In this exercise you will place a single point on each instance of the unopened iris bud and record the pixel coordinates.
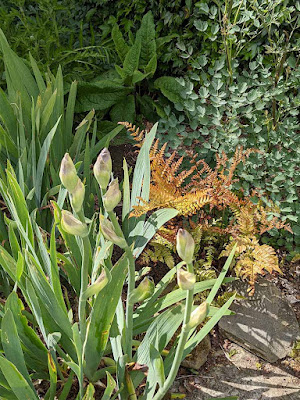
(103, 168)
(113, 196)
(143, 291)
(72, 225)
(109, 233)
(97, 286)
(186, 280)
(68, 173)
(185, 246)
(77, 196)
(198, 315)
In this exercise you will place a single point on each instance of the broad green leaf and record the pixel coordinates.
(150, 68)
(35, 352)
(151, 226)
(141, 182)
(102, 316)
(170, 87)
(99, 95)
(120, 44)
(8, 263)
(124, 110)
(131, 62)
(157, 365)
(12, 346)
(146, 34)
(159, 333)
(16, 381)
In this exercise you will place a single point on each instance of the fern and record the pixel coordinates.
(223, 216)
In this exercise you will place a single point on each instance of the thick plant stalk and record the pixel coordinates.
(83, 282)
(131, 287)
(181, 344)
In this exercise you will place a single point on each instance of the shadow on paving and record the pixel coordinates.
(247, 384)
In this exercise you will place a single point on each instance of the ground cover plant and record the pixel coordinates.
(48, 335)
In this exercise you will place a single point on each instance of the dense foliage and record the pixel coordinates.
(222, 79)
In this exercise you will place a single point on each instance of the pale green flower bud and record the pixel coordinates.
(103, 168)
(113, 196)
(77, 196)
(198, 315)
(143, 291)
(185, 246)
(68, 173)
(186, 280)
(97, 286)
(72, 225)
(109, 233)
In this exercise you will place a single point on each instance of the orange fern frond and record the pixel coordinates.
(135, 132)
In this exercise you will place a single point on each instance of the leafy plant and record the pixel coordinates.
(72, 42)
(207, 194)
(56, 340)
(36, 129)
(124, 91)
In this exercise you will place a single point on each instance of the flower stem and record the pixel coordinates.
(181, 344)
(83, 281)
(131, 286)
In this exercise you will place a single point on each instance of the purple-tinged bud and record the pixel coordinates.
(186, 280)
(198, 315)
(72, 225)
(185, 246)
(77, 196)
(109, 233)
(68, 173)
(144, 290)
(113, 196)
(103, 168)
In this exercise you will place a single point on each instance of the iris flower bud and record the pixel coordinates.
(198, 315)
(98, 285)
(186, 280)
(113, 196)
(109, 233)
(144, 290)
(77, 196)
(185, 246)
(72, 225)
(68, 173)
(103, 168)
